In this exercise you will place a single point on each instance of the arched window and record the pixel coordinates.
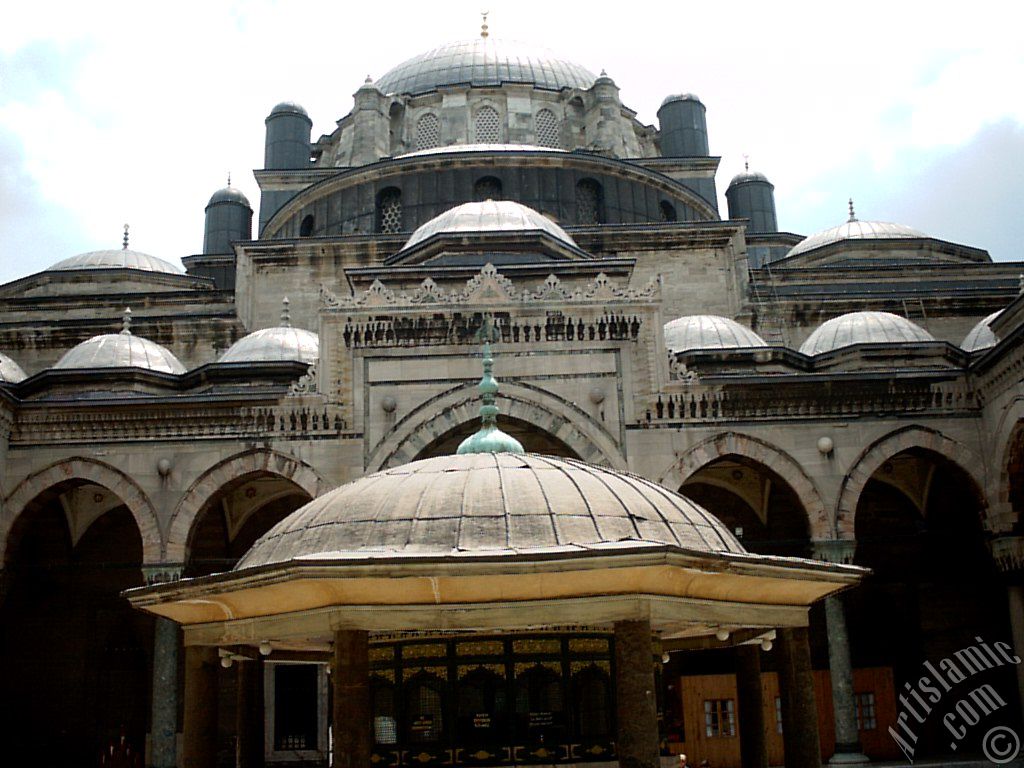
(389, 210)
(548, 129)
(488, 126)
(385, 730)
(668, 211)
(306, 227)
(487, 188)
(424, 709)
(589, 202)
(592, 704)
(481, 707)
(540, 708)
(428, 131)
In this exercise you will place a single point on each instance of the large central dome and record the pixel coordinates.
(485, 61)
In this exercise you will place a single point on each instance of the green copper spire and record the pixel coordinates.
(489, 439)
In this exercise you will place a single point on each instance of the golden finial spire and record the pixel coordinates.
(124, 245)
(126, 321)
(853, 216)
(746, 162)
(483, 24)
(229, 178)
(286, 315)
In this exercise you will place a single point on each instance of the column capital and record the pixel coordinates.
(161, 573)
(1008, 553)
(839, 551)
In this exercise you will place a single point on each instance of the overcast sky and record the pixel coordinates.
(136, 112)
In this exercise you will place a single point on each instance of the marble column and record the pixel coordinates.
(249, 714)
(350, 677)
(199, 731)
(636, 703)
(750, 705)
(800, 739)
(164, 729)
(840, 666)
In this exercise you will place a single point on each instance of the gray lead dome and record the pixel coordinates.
(488, 216)
(709, 332)
(120, 258)
(502, 503)
(863, 328)
(484, 61)
(855, 230)
(10, 371)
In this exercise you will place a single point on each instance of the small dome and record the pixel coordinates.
(288, 108)
(481, 62)
(680, 97)
(503, 503)
(121, 258)
(855, 230)
(748, 176)
(10, 371)
(863, 328)
(120, 350)
(273, 344)
(480, 148)
(981, 335)
(709, 332)
(229, 194)
(488, 216)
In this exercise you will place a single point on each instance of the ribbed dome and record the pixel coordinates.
(981, 335)
(121, 258)
(863, 328)
(680, 97)
(229, 194)
(484, 61)
(748, 176)
(120, 350)
(10, 371)
(480, 148)
(708, 332)
(488, 216)
(288, 108)
(855, 230)
(490, 502)
(273, 344)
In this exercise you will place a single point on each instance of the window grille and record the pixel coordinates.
(588, 202)
(864, 704)
(428, 131)
(389, 211)
(488, 126)
(720, 718)
(548, 129)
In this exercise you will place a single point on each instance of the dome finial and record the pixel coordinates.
(489, 439)
(126, 321)
(746, 162)
(483, 24)
(124, 245)
(853, 216)
(286, 315)
(229, 178)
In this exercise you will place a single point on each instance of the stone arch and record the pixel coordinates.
(455, 407)
(762, 452)
(884, 449)
(81, 468)
(1008, 432)
(219, 475)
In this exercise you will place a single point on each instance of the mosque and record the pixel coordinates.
(739, 489)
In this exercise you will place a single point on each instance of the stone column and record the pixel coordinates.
(164, 729)
(350, 678)
(636, 703)
(800, 738)
(840, 666)
(1008, 552)
(249, 714)
(750, 705)
(199, 731)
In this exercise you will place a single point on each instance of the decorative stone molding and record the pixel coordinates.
(305, 384)
(161, 573)
(489, 287)
(210, 482)
(885, 448)
(840, 551)
(1008, 553)
(91, 471)
(765, 454)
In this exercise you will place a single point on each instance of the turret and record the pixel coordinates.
(228, 218)
(370, 125)
(287, 148)
(684, 129)
(751, 196)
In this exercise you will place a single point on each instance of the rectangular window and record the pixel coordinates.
(865, 706)
(719, 718)
(295, 706)
(778, 714)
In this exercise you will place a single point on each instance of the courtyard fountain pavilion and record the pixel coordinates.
(492, 607)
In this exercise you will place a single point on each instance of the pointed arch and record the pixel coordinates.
(883, 449)
(216, 477)
(448, 410)
(92, 471)
(762, 452)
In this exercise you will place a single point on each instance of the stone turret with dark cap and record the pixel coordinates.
(684, 129)
(751, 196)
(228, 219)
(489, 439)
